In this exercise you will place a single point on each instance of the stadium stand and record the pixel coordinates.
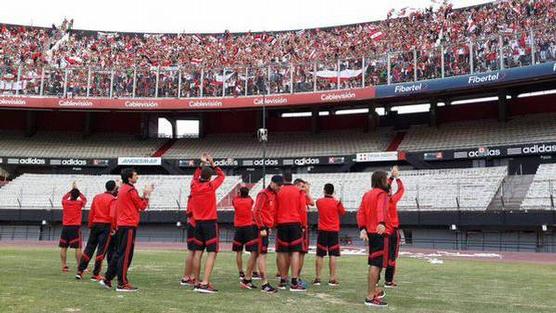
(282, 144)
(66, 144)
(503, 34)
(469, 134)
(427, 190)
(45, 191)
(542, 189)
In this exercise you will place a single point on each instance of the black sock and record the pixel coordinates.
(389, 275)
(294, 281)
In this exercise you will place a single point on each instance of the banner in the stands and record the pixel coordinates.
(215, 103)
(467, 81)
(483, 152)
(276, 162)
(65, 162)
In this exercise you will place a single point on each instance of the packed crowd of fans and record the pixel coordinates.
(421, 44)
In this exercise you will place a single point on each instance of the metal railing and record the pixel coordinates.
(192, 81)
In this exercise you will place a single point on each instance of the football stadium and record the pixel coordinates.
(403, 162)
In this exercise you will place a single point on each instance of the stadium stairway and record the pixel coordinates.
(396, 141)
(165, 147)
(226, 202)
(511, 193)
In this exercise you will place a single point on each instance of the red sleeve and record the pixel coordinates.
(188, 212)
(399, 193)
(341, 209)
(197, 173)
(303, 209)
(219, 179)
(113, 214)
(381, 207)
(140, 203)
(66, 198)
(92, 214)
(309, 200)
(258, 209)
(362, 214)
(83, 199)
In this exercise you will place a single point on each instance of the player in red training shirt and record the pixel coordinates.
(128, 208)
(330, 210)
(189, 277)
(203, 208)
(72, 204)
(291, 207)
(264, 212)
(374, 222)
(394, 239)
(305, 188)
(100, 225)
(246, 235)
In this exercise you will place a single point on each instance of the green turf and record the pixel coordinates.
(32, 282)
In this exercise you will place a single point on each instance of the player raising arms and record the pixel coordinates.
(203, 208)
(373, 221)
(394, 239)
(72, 204)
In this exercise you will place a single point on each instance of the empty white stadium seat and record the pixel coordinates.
(432, 189)
(45, 191)
(543, 185)
(471, 134)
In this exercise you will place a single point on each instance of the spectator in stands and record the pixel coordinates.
(256, 63)
(330, 211)
(72, 204)
(203, 207)
(128, 207)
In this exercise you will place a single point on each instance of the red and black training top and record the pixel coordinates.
(393, 205)
(203, 196)
(100, 209)
(330, 211)
(128, 206)
(72, 209)
(265, 208)
(374, 211)
(292, 205)
(243, 211)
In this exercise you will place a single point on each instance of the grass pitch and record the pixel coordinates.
(31, 281)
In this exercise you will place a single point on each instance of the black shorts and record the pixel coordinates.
(70, 237)
(328, 243)
(289, 238)
(206, 236)
(393, 248)
(306, 240)
(246, 236)
(190, 230)
(263, 242)
(378, 250)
